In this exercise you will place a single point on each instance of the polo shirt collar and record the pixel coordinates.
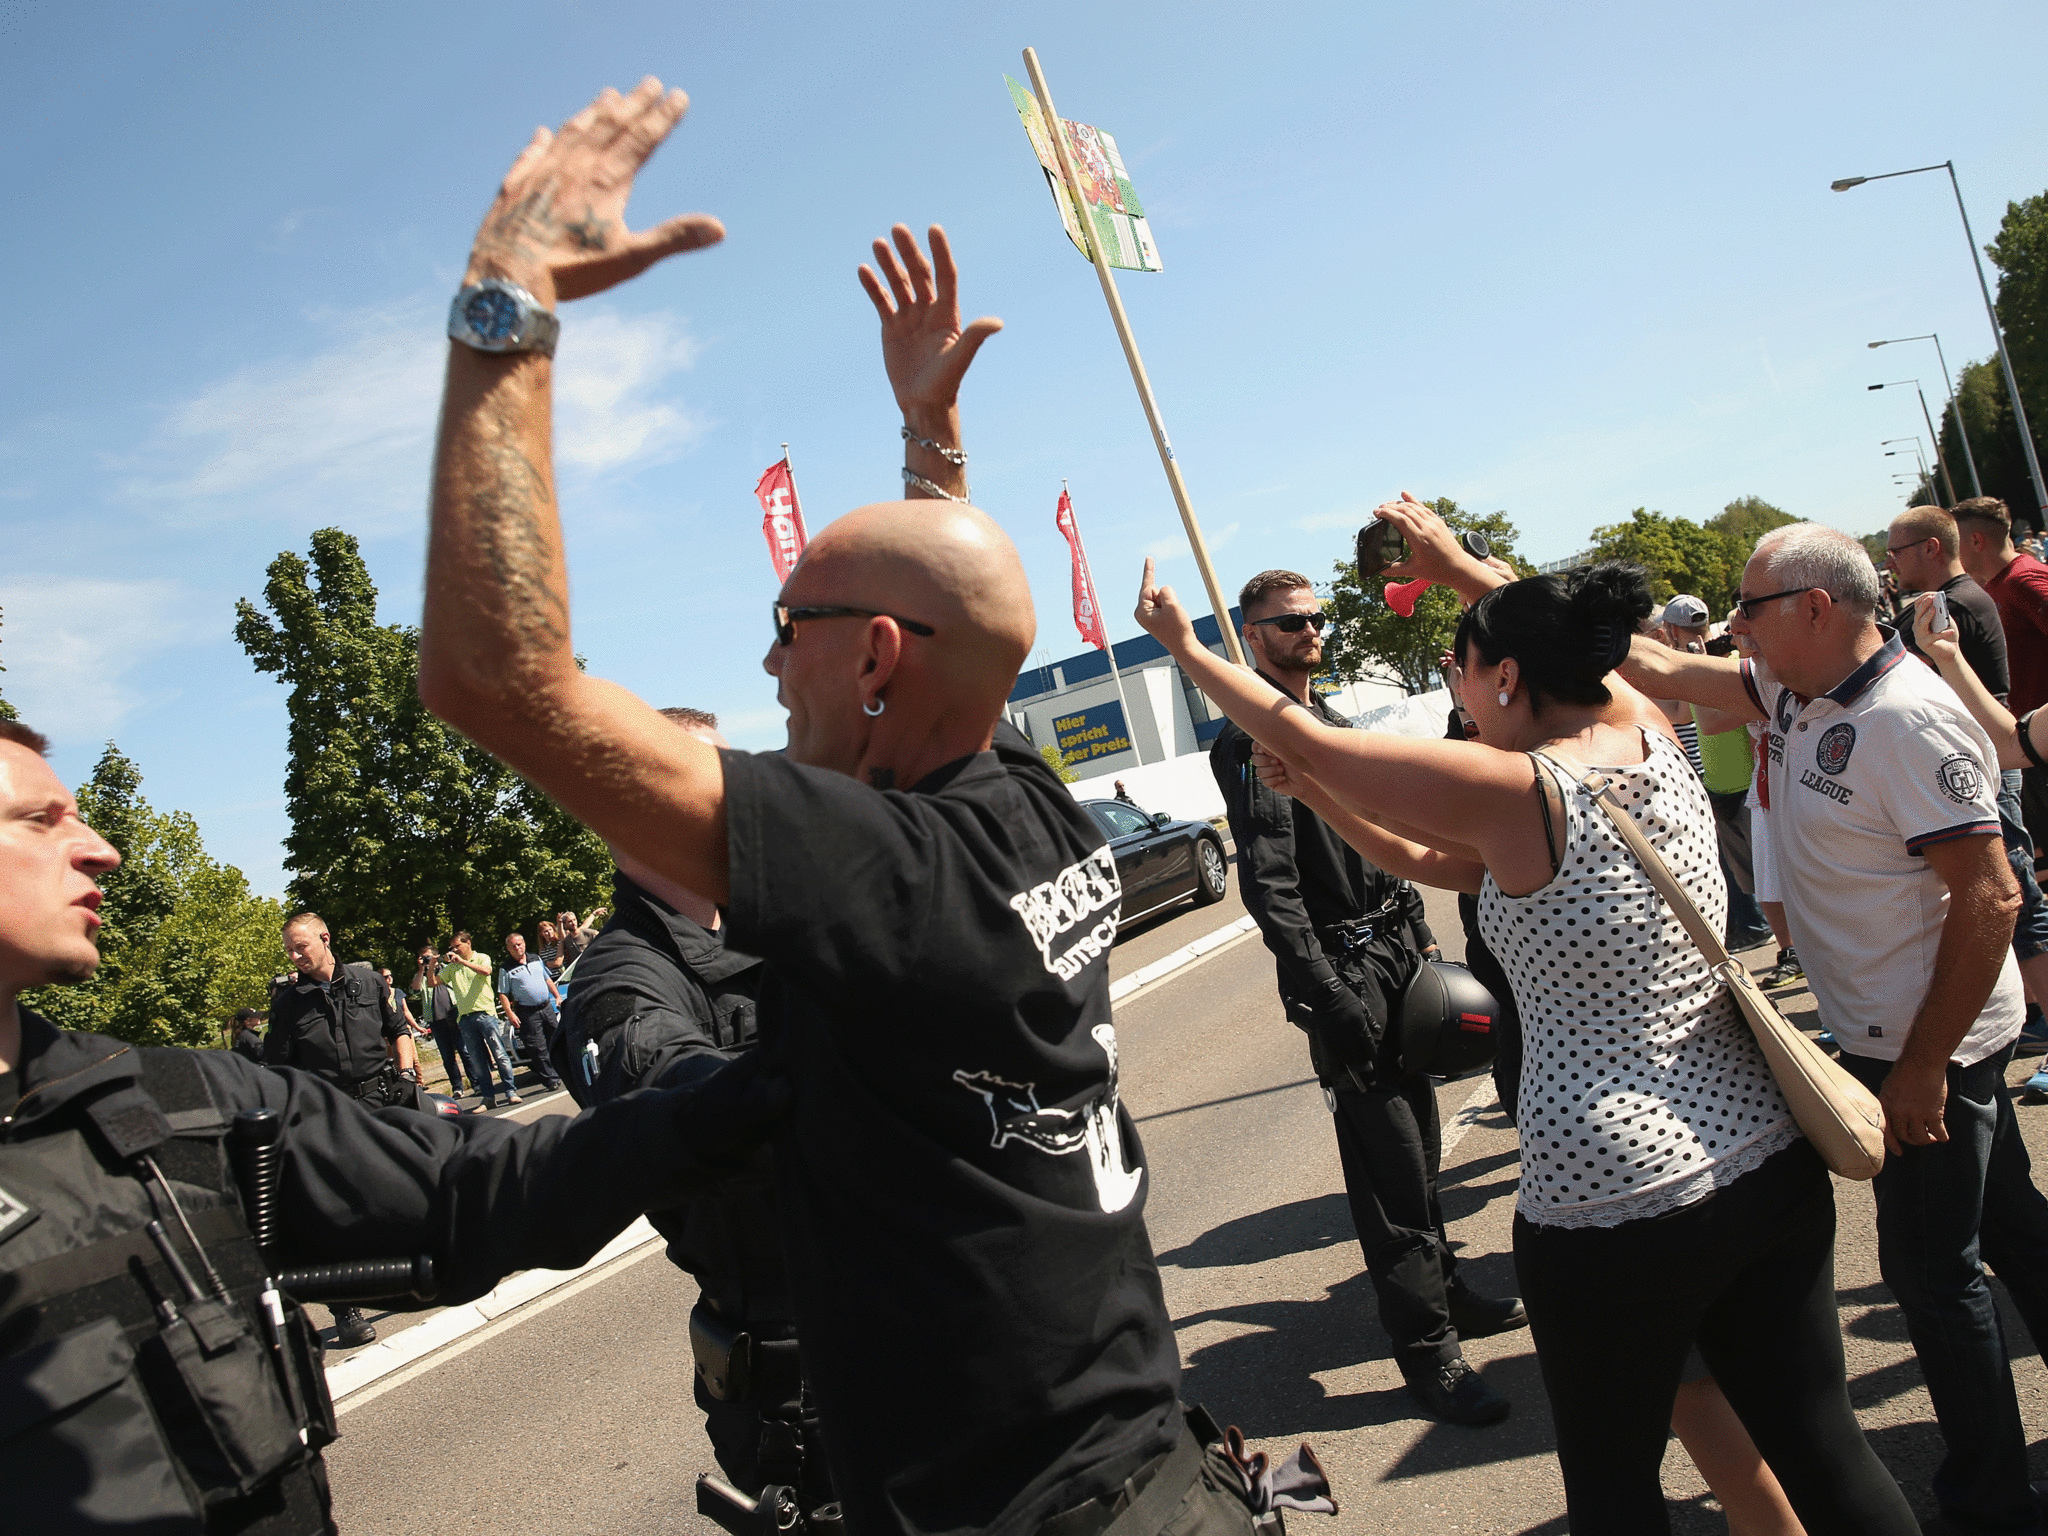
(1857, 683)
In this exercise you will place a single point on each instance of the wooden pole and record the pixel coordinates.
(1123, 332)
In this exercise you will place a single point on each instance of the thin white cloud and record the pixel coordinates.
(71, 643)
(346, 433)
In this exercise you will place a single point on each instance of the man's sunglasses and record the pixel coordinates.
(786, 620)
(1294, 623)
(1749, 605)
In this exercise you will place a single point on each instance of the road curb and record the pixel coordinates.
(1146, 977)
(409, 1346)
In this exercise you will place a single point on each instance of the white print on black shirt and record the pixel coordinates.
(1057, 1132)
(1053, 907)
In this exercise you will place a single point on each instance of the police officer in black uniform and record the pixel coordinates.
(1346, 938)
(339, 1023)
(152, 1378)
(658, 996)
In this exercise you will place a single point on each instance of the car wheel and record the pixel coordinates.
(1212, 873)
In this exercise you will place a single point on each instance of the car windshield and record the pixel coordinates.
(1120, 820)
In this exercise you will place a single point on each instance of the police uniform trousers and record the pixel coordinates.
(1390, 1142)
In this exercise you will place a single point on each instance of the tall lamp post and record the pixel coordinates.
(1956, 406)
(1939, 457)
(2012, 385)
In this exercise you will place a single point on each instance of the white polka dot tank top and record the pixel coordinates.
(1642, 1087)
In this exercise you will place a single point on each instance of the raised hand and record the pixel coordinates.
(924, 347)
(558, 226)
(1938, 648)
(1162, 617)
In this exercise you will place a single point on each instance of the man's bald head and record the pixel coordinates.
(943, 565)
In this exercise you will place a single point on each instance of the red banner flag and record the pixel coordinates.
(782, 516)
(1087, 611)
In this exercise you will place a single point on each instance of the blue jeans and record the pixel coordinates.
(1931, 1205)
(482, 1045)
(2030, 934)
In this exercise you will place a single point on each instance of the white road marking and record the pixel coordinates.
(447, 1334)
(1207, 947)
(1483, 1098)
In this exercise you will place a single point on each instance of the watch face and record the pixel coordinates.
(492, 315)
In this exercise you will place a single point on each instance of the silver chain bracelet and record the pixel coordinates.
(956, 456)
(911, 478)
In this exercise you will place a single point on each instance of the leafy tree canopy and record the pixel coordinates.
(1370, 640)
(1684, 556)
(183, 942)
(1059, 762)
(402, 830)
(6, 709)
(1994, 439)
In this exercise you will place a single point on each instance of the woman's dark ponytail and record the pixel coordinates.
(1566, 633)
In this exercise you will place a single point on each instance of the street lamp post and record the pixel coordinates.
(1939, 457)
(1919, 458)
(1955, 406)
(2012, 385)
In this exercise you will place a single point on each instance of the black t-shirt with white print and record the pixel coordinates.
(962, 1194)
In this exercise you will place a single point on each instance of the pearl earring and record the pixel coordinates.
(1503, 696)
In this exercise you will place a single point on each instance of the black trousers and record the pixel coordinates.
(1390, 1143)
(536, 1034)
(1749, 1274)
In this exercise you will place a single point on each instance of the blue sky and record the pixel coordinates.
(1559, 261)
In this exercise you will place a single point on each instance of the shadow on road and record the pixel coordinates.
(1301, 1226)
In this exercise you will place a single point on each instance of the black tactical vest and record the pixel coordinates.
(132, 1397)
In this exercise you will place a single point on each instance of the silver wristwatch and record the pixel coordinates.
(497, 316)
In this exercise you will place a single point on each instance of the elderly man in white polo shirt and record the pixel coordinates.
(1883, 796)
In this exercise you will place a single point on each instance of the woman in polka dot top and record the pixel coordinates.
(1667, 1198)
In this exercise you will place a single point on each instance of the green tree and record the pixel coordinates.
(183, 943)
(1994, 438)
(1370, 640)
(402, 829)
(1747, 519)
(2020, 252)
(7, 711)
(1059, 762)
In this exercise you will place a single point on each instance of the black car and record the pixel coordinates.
(1160, 860)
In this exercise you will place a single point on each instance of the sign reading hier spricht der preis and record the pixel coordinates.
(1098, 731)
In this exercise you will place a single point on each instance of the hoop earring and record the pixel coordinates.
(875, 713)
(1503, 696)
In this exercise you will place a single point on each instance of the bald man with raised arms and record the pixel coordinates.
(962, 1192)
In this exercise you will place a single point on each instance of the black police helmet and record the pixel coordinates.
(1448, 1023)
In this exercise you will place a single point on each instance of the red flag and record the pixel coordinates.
(1087, 611)
(782, 516)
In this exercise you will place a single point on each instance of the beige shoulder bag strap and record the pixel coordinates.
(1839, 1115)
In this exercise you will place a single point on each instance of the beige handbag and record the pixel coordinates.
(1840, 1116)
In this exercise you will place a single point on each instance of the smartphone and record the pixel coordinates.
(1379, 545)
(1938, 620)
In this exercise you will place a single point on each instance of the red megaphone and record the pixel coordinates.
(1401, 595)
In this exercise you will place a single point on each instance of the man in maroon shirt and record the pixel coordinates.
(2018, 583)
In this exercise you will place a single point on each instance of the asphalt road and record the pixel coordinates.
(574, 1414)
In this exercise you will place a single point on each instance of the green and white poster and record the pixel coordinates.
(1114, 215)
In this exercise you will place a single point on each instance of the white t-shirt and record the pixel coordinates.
(1857, 782)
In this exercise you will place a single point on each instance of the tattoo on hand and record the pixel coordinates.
(589, 232)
